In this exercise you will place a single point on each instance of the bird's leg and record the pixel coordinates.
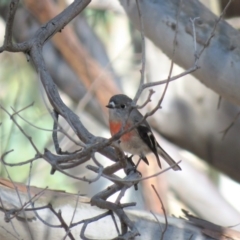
(130, 160)
(139, 160)
(142, 157)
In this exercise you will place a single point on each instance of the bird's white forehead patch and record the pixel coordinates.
(112, 103)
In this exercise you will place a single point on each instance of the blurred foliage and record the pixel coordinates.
(19, 88)
(100, 21)
(4, 2)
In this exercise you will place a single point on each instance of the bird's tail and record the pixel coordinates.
(168, 159)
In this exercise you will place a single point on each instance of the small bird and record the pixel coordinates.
(139, 141)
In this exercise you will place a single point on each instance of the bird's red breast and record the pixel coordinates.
(115, 127)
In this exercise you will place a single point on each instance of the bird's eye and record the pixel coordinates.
(123, 106)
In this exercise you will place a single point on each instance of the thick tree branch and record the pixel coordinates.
(147, 226)
(87, 68)
(219, 63)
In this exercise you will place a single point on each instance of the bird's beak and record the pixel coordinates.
(109, 106)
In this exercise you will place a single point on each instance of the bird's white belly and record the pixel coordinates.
(135, 147)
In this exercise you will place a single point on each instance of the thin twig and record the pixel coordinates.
(96, 161)
(191, 236)
(151, 92)
(91, 219)
(12, 235)
(32, 203)
(8, 45)
(17, 112)
(115, 222)
(10, 18)
(121, 194)
(225, 131)
(173, 53)
(16, 211)
(214, 29)
(16, 100)
(142, 71)
(186, 72)
(20, 201)
(61, 130)
(63, 223)
(154, 215)
(219, 102)
(194, 36)
(164, 212)
(100, 171)
(134, 180)
(99, 200)
(21, 129)
(74, 212)
(16, 164)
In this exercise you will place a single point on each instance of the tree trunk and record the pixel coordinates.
(25, 225)
(220, 61)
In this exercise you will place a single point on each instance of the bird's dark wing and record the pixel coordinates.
(144, 130)
(148, 137)
(145, 159)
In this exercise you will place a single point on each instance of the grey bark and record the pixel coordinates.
(149, 228)
(219, 63)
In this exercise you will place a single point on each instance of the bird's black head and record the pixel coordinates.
(120, 101)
